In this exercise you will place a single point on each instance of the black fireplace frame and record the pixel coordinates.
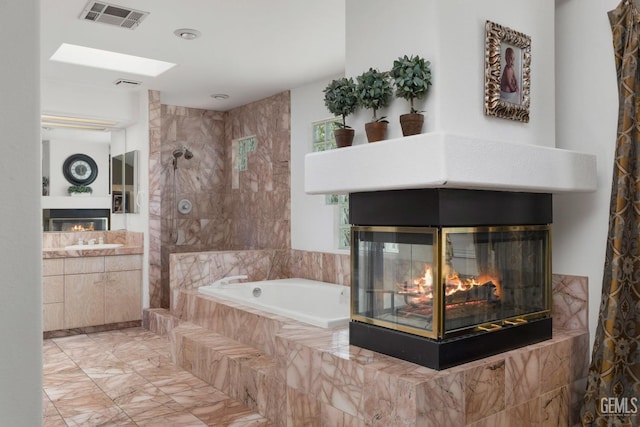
(448, 208)
(75, 215)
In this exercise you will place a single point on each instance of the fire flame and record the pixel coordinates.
(421, 289)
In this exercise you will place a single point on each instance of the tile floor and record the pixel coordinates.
(126, 378)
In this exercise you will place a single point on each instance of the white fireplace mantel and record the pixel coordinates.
(443, 160)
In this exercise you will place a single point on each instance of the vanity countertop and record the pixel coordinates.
(77, 253)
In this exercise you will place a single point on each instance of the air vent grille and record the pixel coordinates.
(111, 14)
(126, 83)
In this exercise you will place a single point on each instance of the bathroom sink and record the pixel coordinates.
(95, 246)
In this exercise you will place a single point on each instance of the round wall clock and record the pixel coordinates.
(80, 169)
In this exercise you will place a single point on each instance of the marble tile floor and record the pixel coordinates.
(126, 378)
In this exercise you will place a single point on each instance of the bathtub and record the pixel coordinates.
(317, 303)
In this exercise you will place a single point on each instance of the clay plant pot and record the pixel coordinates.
(411, 123)
(344, 137)
(376, 131)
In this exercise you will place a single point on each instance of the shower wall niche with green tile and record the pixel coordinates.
(323, 140)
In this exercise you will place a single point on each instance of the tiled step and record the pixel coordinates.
(238, 370)
(158, 320)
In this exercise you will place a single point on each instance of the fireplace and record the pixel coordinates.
(75, 219)
(442, 277)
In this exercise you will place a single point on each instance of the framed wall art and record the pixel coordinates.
(507, 73)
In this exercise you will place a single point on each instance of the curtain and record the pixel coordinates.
(613, 386)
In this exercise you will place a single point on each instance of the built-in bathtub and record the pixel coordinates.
(321, 304)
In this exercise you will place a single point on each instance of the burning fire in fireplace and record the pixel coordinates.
(419, 293)
(80, 227)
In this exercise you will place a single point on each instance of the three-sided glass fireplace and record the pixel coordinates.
(441, 283)
(442, 277)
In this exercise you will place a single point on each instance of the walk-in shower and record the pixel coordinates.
(175, 155)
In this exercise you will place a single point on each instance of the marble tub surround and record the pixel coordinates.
(194, 269)
(319, 379)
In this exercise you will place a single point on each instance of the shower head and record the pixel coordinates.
(177, 153)
(188, 154)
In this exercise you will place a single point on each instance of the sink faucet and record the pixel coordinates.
(220, 283)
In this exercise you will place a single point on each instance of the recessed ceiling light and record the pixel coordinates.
(187, 33)
(220, 96)
(97, 58)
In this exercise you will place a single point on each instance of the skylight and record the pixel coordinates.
(90, 57)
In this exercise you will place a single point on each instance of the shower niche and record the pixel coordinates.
(124, 182)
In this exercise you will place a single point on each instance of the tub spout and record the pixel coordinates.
(226, 280)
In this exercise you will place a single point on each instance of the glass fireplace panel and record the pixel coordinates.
(442, 282)
(395, 269)
(492, 275)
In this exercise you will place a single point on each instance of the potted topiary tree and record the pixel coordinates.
(341, 100)
(374, 92)
(412, 78)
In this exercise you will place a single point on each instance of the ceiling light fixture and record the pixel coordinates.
(51, 125)
(187, 33)
(97, 58)
(67, 122)
(220, 96)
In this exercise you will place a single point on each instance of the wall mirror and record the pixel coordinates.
(124, 183)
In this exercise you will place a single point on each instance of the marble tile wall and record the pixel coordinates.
(199, 180)
(259, 209)
(253, 216)
(192, 270)
(155, 201)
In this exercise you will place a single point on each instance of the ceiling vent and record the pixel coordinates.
(126, 83)
(113, 15)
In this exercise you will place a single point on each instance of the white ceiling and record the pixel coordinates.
(249, 49)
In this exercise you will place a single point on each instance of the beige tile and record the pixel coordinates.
(555, 363)
(484, 391)
(522, 378)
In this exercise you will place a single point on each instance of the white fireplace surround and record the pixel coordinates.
(443, 160)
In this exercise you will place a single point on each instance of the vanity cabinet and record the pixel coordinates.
(91, 291)
(53, 294)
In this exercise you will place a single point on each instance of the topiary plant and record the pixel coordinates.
(374, 91)
(411, 77)
(83, 189)
(341, 99)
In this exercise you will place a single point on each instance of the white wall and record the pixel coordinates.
(137, 138)
(92, 143)
(450, 34)
(20, 235)
(587, 112)
(118, 104)
(313, 222)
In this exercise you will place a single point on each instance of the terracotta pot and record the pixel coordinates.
(411, 123)
(344, 137)
(376, 131)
